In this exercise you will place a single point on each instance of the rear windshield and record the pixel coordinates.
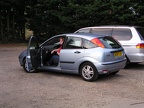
(141, 32)
(109, 42)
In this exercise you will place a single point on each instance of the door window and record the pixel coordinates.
(122, 34)
(102, 31)
(54, 41)
(74, 43)
(34, 53)
(34, 44)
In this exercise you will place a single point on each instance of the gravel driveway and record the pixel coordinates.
(19, 89)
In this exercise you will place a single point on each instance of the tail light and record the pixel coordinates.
(140, 45)
(98, 42)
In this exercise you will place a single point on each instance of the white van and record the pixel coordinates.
(130, 37)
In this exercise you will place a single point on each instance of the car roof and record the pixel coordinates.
(88, 36)
(112, 26)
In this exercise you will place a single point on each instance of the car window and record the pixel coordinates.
(34, 43)
(140, 32)
(87, 44)
(74, 43)
(122, 34)
(102, 31)
(109, 42)
(53, 41)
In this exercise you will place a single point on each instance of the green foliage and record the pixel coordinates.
(50, 17)
(12, 20)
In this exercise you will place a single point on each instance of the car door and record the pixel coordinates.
(33, 58)
(71, 54)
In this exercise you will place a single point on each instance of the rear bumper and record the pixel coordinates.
(136, 58)
(110, 67)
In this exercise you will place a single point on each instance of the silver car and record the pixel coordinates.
(88, 55)
(130, 37)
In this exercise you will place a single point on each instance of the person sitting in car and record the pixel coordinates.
(55, 58)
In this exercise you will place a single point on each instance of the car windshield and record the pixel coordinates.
(141, 32)
(109, 42)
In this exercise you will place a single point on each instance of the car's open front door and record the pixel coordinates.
(33, 60)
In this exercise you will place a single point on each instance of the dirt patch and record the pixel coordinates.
(19, 89)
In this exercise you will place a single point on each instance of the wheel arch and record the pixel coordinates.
(23, 60)
(82, 64)
(90, 73)
(128, 60)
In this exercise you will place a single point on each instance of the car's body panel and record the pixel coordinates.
(22, 57)
(69, 58)
(129, 39)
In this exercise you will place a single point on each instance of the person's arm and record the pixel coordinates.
(55, 50)
(58, 53)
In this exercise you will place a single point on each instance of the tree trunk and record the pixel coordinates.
(1, 27)
(8, 26)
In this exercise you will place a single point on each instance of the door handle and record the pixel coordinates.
(77, 52)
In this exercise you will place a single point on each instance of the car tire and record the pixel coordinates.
(128, 61)
(88, 72)
(26, 68)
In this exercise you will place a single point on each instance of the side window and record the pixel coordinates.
(54, 41)
(102, 31)
(87, 44)
(140, 31)
(122, 34)
(74, 43)
(85, 30)
(34, 43)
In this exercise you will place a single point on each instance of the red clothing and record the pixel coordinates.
(59, 49)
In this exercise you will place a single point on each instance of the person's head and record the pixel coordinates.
(61, 40)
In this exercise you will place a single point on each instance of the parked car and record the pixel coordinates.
(88, 55)
(130, 37)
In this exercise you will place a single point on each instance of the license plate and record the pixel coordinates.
(118, 54)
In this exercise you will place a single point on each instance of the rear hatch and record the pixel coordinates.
(113, 51)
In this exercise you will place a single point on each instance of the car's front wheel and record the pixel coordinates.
(88, 72)
(26, 68)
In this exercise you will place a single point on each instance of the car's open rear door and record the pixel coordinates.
(33, 60)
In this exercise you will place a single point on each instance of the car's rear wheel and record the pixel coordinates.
(88, 72)
(26, 68)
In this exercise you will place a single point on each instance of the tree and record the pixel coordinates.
(50, 17)
(12, 20)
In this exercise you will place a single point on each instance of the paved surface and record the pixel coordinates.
(19, 89)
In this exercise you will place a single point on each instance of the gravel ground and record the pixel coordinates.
(19, 89)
